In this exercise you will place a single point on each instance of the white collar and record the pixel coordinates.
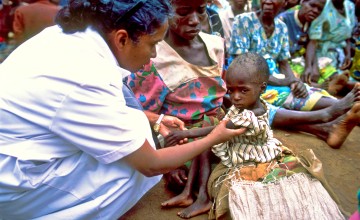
(97, 42)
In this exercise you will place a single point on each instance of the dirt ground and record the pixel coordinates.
(341, 168)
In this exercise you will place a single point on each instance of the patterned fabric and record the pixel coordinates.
(331, 29)
(249, 35)
(355, 67)
(297, 32)
(172, 86)
(298, 38)
(282, 95)
(215, 22)
(257, 144)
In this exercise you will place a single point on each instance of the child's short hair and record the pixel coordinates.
(252, 60)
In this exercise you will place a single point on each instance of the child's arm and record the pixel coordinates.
(176, 136)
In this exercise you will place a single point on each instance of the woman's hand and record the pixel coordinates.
(310, 75)
(170, 123)
(298, 89)
(176, 137)
(346, 64)
(221, 134)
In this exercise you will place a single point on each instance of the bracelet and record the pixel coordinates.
(157, 123)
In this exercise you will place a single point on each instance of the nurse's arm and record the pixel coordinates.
(151, 162)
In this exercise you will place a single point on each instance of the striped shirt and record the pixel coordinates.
(257, 144)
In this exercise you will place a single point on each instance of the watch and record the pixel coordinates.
(157, 123)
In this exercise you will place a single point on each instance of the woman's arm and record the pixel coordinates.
(176, 137)
(311, 72)
(347, 51)
(285, 69)
(297, 86)
(167, 123)
(151, 162)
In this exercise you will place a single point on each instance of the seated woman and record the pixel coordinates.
(329, 36)
(185, 80)
(298, 22)
(263, 33)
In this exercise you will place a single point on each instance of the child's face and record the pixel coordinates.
(243, 89)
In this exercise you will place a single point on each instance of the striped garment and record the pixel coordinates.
(257, 144)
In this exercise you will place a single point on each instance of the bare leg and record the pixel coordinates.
(185, 198)
(334, 132)
(353, 95)
(342, 129)
(288, 118)
(202, 203)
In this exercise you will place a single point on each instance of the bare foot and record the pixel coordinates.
(324, 85)
(181, 200)
(337, 83)
(200, 206)
(342, 129)
(344, 104)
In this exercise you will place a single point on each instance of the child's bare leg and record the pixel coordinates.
(185, 198)
(202, 203)
(334, 132)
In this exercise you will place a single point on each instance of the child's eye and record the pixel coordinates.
(229, 91)
(244, 91)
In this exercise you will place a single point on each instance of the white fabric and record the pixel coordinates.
(294, 197)
(64, 130)
(227, 19)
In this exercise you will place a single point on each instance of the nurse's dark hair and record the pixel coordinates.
(245, 61)
(137, 17)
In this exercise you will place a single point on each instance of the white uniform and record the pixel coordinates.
(64, 129)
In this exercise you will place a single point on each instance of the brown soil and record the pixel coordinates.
(341, 168)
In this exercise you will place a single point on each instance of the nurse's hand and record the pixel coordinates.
(170, 123)
(221, 133)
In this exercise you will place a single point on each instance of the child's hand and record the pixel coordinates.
(176, 179)
(176, 137)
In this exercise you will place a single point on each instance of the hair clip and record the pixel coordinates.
(131, 11)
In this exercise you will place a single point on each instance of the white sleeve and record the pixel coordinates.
(98, 122)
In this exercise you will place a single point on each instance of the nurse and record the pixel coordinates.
(70, 147)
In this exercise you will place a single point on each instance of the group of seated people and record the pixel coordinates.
(274, 67)
(189, 79)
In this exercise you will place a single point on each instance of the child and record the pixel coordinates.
(247, 110)
(255, 156)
